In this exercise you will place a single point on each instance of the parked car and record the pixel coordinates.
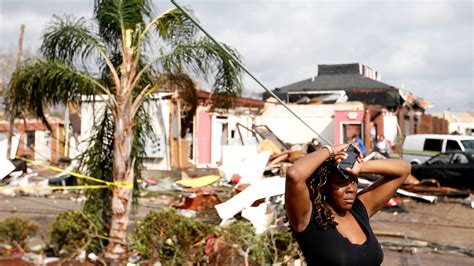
(452, 169)
(420, 147)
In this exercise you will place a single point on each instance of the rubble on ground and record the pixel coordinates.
(248, 185)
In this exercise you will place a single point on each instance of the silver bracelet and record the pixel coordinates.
(329, 148)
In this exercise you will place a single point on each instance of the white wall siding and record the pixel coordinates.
(290, 130)
(390, 126)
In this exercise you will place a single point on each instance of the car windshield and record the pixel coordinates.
(460, 158)
(441, 158)
(468, 144)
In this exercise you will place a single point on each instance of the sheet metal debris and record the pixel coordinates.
(263, 188)
(6, 167)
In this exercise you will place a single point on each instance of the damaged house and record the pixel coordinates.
(378, 108)
(32, 139)
(183, 140)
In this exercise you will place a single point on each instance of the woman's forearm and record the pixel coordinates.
(305, 166)
(392, 168)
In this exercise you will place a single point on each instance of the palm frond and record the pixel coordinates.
(113, 16)
(39, 83)
(67, 39)
(173, 27)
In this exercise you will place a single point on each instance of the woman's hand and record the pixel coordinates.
(355, 170)
(341, 154)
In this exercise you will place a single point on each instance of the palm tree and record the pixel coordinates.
(134, 53)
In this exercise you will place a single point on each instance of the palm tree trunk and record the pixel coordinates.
(122, 156)
(123, 172)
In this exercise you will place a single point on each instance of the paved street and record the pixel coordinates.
(444, 223)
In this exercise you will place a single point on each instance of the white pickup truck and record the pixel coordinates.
(420, 147)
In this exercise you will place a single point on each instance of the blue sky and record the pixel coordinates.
(425, 47)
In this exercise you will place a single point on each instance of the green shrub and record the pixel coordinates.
(242, 234)
(282, 246)
(74, 231)
(171, 238)
(16, 231)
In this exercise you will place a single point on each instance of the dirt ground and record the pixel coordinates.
(423, 234)
(447, 225)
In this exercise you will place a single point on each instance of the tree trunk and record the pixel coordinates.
(122, 156)
(123, 172)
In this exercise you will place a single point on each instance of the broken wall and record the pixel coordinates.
(291, 130)
(156, 152)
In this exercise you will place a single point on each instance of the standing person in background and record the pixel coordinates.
(360, 144)
(373, 136)
(329, 218)
(382, 146)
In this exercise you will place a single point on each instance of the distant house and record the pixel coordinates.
(33, 139)
(458, 122)
(388, 110)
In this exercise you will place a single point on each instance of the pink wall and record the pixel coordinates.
(348, 117)
(204, 138)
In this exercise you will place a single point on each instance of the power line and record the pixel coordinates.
(237, 61)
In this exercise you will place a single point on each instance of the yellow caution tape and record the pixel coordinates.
(198, 182)
(57, 169)
(53, 187)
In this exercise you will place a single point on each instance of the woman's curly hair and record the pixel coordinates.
(316, 185)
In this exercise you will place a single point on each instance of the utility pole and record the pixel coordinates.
(12, 116)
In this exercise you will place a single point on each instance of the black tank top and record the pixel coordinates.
(331, 248)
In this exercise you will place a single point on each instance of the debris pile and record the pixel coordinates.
(247, 186)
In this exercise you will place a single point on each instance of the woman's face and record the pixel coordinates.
(341, 192)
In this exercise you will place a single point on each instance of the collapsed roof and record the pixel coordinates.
(359, 82)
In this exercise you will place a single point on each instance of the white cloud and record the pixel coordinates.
(425, 45)
(408, 58)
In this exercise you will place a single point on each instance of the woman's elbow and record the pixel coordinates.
(292, 174)
(406, 169)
